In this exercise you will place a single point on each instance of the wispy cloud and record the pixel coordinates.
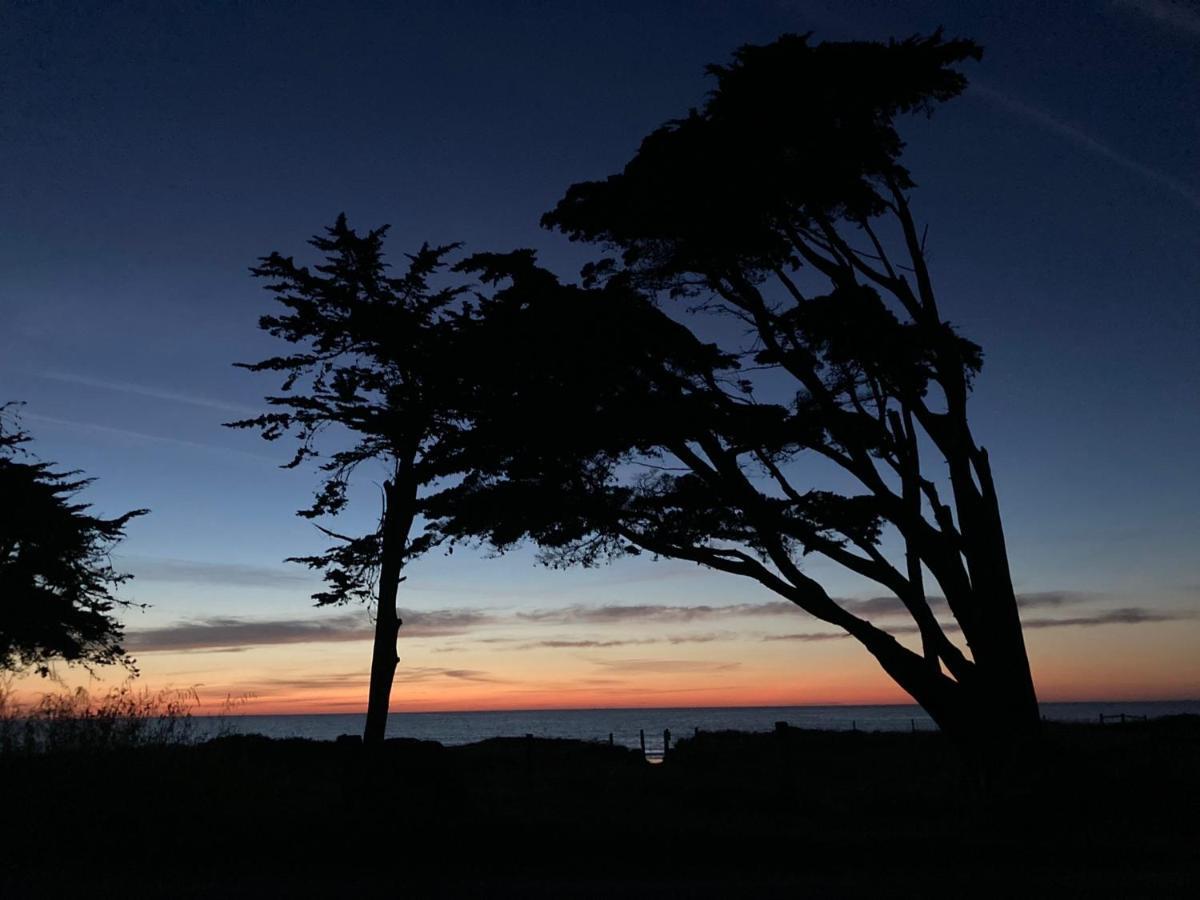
(883, 607)
(664, 665)
(143, 437)
(1179, 17)
(1124, 616)
(192, 571)
(581, 614)
(1128, 616)
(266, 687)
(582, 644)
(808, 636)
(587, 644)
(227, 633)
(410, 674)
(141, 390)
(440, 622)
(223, 632)
(218, 631)
(1081, 138)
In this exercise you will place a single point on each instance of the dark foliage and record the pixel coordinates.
(609, 426)
(57, 584)
(373, 361)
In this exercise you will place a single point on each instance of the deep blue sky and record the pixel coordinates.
(151, 151)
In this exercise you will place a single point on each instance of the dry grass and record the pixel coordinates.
(78, 721)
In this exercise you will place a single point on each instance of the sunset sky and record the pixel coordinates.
(152, 151)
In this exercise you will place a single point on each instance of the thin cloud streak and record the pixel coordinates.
(227, 632)
(231, 634)
(126, 433)
(224, 632)
(885, 606)
(1124, 616)
(569, 644)
(270, 687)
(140, 390)
(1174, 16)
(808, 636)
(1128, 616)
(1082, 139)
(191, 571)
(664, 665)
(579, 614)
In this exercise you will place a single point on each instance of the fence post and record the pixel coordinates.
(642, 739)
(610, 739)
(666, 743)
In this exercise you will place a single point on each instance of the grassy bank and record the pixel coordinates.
(1095, 811)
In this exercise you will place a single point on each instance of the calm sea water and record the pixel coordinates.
(625, 724)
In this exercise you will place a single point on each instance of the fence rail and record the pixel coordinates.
(1121, 717)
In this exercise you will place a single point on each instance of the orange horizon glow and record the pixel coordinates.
(490, 671)
(345, 701)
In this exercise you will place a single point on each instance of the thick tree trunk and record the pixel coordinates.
(398, 512)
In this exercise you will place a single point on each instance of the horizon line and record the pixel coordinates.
(527, 709)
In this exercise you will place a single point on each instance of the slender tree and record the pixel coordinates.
(781, 205)
(373, 361)
(57, 583)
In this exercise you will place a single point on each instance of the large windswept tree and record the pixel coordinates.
(369, 381)
(57, 583)
(782, 204)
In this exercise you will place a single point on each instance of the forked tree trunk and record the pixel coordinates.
(996, 706)
(399, 495)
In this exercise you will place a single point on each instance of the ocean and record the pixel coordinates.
(625, 725)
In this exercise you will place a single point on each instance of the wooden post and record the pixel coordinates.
(642, 738)
(913, 724)
(666, 743)
(610, 740)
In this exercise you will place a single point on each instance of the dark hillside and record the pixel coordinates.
(1098, 811)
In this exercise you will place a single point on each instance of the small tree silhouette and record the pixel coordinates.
(374, 360)
(782, 205)
(57, 584)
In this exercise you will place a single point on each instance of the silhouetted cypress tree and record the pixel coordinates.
(57, 583)
(782, 205)
(373, 360)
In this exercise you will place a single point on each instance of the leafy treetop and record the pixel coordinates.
(373, 360)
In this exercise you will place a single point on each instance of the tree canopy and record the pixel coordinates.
(782, 207)
(372, 380)
(57, 584)
(373, 362)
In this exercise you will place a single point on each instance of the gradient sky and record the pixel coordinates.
(151, 151)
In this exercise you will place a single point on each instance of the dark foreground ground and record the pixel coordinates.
(1109, 811)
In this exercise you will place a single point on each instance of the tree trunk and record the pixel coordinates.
(383, 670)
(399, 495)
